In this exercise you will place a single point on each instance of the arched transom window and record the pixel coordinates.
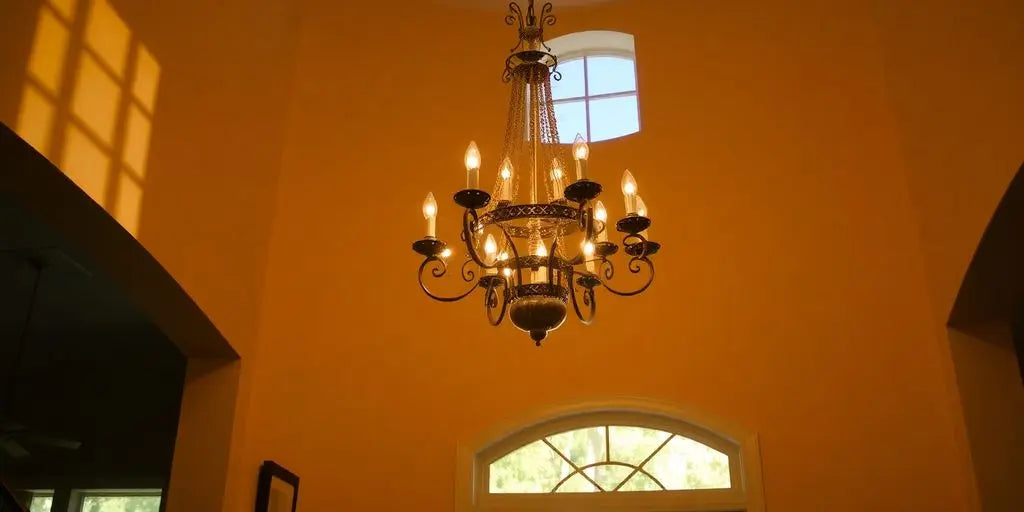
(616, 460)
(610, 458)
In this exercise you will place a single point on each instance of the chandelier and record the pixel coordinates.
(533, 257)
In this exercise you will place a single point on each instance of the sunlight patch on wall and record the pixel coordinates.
(35, 119)
(82, 158)
(88, 102)
(96, 99)
(108, 36)
(49, 51)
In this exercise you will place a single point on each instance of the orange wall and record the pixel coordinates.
(785, 153)
(955, 82)
(791, 295)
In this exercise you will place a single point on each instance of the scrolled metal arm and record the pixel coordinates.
(635, 265)
(589, 299)
(439, 270)
(491, 299)
(470, 220)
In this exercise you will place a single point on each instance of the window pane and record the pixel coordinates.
(633, 445)
(40, 503)
(609, 476)
(571, 117)
(121, 504)
(612, 117)
(583, 446)
(686, 464)
(639, 482)
(571, 85)
(610, 74)
(577, 483)
(534, 468)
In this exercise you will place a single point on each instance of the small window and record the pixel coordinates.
(611, 458)
(41, 501)
(119, 501)
(616, 460)
(597, 94)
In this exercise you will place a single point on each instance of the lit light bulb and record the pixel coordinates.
(506, 179)
(557, 175)
(429, 206)
(580, 149)
(540, 250)
(472, 161)
(628, 183)
(490, 248)
(641, 207)
(588, 256)
(507, 271)
(446, 252)
(472, 156)
(629, 190)
(601, 214)
(430, 213)
(556, 169)
(506, 169)
(541, 273)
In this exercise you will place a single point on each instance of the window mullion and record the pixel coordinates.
(586, 95)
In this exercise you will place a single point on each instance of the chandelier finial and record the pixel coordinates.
(530, 48)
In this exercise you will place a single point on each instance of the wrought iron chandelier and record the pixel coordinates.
(524, 260)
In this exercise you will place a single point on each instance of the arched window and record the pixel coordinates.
(597, 94)
(618, 458)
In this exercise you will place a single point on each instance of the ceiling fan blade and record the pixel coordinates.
(52, 442)
(13, 448)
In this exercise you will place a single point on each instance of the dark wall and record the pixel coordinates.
(92, 368)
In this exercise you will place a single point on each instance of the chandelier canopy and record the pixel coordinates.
(535, 244)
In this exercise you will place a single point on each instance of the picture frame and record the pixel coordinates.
(277, 489)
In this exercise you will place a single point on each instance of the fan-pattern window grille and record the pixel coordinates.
(610, 458)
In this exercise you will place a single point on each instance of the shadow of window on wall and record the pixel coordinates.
(88, 101)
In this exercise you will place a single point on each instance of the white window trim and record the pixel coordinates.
(746, 494)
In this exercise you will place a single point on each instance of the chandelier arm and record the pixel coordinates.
(588, 300)
(639, 240)
(515, 255)
(470, 220)
(467, 273)
(635, 268)
(438, 271)
(491, 301)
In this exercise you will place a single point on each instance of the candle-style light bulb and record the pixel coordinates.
(540, 251)
(446, 252)
(472, 161)
(490, 252)
(503, 256)
(505, 174)
(601, 214)
(629, 190)
(580, 152)
(641, 210)
(588, 255)
(430, 213)
(557, 178)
